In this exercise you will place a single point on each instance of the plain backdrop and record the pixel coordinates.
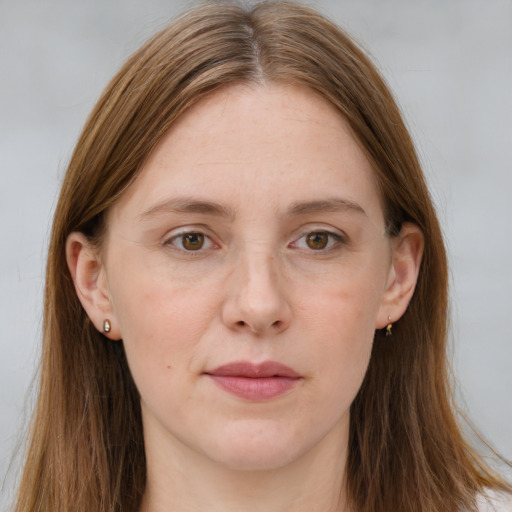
(449, 63)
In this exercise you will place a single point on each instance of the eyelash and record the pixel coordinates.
(333, 242)
(181, 237)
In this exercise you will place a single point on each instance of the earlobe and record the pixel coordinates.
(89, 278)
(407, 252)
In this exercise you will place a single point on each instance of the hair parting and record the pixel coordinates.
(86, 450)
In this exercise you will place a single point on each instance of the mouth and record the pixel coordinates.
(255, 382)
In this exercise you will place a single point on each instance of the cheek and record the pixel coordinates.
(347, 334)
(162, 322)
(345, 303)
(341, 320)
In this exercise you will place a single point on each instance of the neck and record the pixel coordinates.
(179, 480)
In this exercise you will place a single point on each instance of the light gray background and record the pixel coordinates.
(449, 63)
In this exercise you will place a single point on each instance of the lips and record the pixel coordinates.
(256, 382)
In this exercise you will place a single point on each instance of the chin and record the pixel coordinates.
(259, 460)
(257, 448)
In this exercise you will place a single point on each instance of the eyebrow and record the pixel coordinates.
(335, 204)
(187, 205)
(192, 205)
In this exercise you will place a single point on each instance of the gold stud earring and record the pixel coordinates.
(106, 325)
(388, 327)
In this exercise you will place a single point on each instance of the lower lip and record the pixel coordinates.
(256, 389)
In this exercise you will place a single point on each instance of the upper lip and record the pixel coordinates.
(254, 371)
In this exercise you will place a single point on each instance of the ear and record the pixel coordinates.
(407, 251)
(91, 285)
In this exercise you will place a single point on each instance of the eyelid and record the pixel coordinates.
(339, 236)
(185, 230)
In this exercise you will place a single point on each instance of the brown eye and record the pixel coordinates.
(317, 240)
(192, 241)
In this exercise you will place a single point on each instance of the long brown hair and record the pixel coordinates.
(86, 451)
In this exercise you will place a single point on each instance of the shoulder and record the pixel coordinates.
(495, 502)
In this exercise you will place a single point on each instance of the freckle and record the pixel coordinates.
(169, 367)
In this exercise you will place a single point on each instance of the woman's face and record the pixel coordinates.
(246, 271)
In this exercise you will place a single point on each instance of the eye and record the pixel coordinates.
(318, 240)
(190, 241)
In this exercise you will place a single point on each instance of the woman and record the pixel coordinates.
(247, 288)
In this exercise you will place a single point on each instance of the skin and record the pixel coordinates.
(278, 163)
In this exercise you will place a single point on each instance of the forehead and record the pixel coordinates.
(250, 118)
(272, 143)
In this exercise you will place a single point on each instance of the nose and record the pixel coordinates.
(256, 300)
